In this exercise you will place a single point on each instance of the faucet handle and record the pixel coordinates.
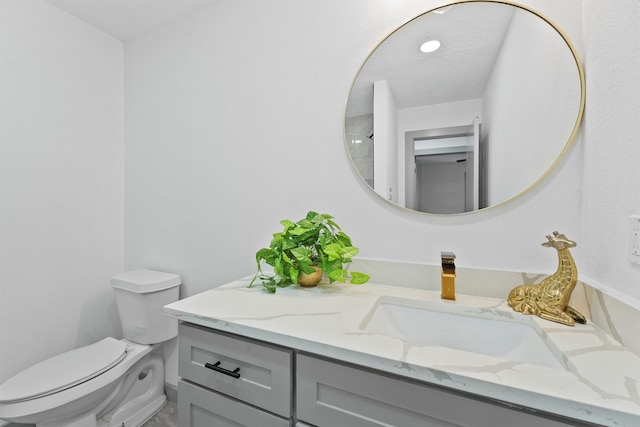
(447, 257)
(448, 262)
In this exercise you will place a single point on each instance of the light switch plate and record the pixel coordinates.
(634, 239)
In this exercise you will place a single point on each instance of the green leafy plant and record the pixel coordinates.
(315, 240)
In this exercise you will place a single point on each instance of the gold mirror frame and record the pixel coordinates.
(558, 158)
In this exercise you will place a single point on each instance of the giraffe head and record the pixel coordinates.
(559, 241)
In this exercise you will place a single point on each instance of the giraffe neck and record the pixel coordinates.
(566, 275)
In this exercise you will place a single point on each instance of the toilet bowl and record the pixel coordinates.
(111, 382)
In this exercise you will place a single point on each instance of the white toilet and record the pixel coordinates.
(109, 383)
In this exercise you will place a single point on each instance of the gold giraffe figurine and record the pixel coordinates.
(549, 299)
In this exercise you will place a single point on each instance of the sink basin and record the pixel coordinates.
(458, 327)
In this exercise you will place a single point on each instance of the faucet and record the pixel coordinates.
(448, 275)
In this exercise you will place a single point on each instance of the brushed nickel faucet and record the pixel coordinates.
(448, 275)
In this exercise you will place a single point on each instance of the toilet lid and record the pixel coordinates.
(63, 371)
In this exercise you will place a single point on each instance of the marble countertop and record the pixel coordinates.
(601, 382)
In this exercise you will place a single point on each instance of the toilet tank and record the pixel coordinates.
(140, 296)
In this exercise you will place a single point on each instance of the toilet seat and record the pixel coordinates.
(63, 371)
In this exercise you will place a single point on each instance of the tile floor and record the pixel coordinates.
(166, 417)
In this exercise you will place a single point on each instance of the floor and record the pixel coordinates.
(166, 417)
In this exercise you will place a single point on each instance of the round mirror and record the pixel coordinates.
(464, 107)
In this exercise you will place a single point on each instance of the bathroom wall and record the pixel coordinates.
(530, 102)
(385, 154)
(611, 173)
(235, 121)
(61, 182)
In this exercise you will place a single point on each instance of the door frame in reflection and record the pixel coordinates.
(447, 149)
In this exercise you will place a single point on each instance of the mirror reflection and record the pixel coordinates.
(472, 123)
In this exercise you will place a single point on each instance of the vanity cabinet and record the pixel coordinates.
(332, 394)
(231, 381)
(228, 380)
(199, 407)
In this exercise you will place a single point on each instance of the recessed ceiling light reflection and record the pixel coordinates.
(430, 46)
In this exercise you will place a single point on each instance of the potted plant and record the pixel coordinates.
(310, 246)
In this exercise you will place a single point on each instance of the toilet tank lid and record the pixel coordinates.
(142, 281)
(63, 371)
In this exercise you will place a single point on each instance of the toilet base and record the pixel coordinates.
(141, 416)
(138, 396)
(144, 396)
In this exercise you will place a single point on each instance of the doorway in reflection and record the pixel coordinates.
(445, 169)
(441, 183)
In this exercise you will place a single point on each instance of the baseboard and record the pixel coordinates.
(171, 391)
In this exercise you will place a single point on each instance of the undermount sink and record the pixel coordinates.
(458, 327)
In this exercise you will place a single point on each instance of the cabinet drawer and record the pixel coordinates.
(199, 407)
(263, 372)
(331, 394)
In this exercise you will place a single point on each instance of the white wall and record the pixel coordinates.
(61, 182)
(529, 108)
(385, 153)
(235, 121)
(611, 189)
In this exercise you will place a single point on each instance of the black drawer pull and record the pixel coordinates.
(216, 367)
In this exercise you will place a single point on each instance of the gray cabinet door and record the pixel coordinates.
(264, 372)
(331, 394)
(198, 407)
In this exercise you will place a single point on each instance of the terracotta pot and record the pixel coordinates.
(310, 280)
